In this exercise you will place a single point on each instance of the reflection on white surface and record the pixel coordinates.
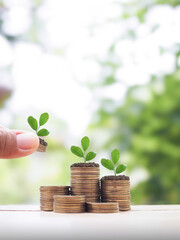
(142, 222)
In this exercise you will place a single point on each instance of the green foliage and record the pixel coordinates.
(85, 142)
(120, 168)
(43, 132)
(115, 155)
(148, 133)
(34, 124)
(77, 151)
(107, 164)
(43, 119)
(90, 156)
(112, 164)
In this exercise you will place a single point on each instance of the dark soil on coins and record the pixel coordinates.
(120, 177)
(85, 165)
(42, 142)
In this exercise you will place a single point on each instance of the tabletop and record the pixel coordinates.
(142, 222)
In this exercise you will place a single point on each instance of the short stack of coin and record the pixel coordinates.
(69, 204)
(103, 207)
(47, 193)
(116, 191)
(85, 181)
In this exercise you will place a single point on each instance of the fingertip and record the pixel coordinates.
(27, 141)
(16, 144)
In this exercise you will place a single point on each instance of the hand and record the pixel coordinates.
(15, 144)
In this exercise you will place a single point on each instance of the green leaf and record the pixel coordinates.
(77, 151)
(90, 156)
(43, 118)
(85, 143)
(121, 168)
(43, 132)
(115, 155)
(33, 123)
(107, 164)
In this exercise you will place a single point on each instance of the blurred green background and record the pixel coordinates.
(106, 69)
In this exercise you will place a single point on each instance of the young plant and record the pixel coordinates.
(113, 163)
(85, 142)
(36, 126)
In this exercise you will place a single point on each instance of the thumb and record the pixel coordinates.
(15, 144)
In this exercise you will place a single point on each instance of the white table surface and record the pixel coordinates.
(142, 222)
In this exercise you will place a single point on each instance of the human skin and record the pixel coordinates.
(17, 143)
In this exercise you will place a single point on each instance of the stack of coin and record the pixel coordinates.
(100, 207)
(47, 193)
(69, 204)
(116, 190)
(85, 181)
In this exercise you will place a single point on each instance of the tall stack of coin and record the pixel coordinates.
(100, 207)
(85, 181)
(116, 189)
(69, 204)
(47, 193)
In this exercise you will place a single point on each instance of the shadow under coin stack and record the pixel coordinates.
(69, 204)
(116, 189)
(85, 181)
(100, 207)
(47, 193)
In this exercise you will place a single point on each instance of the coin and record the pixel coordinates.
(47, 193)
(69, 199)
(116, 191)
(85, 181)
(69, 204)
(102, 207)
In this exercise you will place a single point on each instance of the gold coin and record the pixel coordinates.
(85, 181)
(69, 211)
(54, 191)
(120, 197)
(68, 204)
(46, 209)
(69, 208)
(84, 177)
(84, 187)
(85, 192)
(61, 198)
(119, 188)
(125, 209)
(115, 191)
(53, 187)
(102, 207)
(85, 169)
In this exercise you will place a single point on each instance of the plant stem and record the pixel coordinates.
(84, 157)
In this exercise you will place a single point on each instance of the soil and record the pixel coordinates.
(42, 142)
(85, 164)
(120, 177)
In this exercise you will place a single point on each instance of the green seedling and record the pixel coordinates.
(113, 163)
(81, 152)
(41, 132)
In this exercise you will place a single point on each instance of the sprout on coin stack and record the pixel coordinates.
(85, 175)
(115, 188)
(81, 152)
(40, 132)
